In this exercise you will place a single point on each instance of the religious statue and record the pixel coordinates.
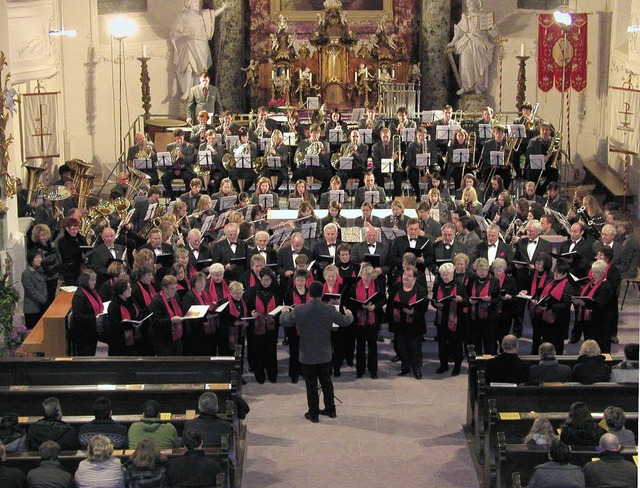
(472, 42)
(190, 37)
(414, 74)
(282, 23)
(251, 72)
(332, 4)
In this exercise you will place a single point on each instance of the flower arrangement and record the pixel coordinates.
(11, 335)
(274, 103)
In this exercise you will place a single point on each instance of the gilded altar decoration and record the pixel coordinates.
(9, 100)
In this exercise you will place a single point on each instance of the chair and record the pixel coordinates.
(630, 281)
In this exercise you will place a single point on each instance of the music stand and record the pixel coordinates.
(280, 236)
(372, 196)
(263, 143)
(484, 131)
(366, 136)
(517, 130)
(446, 132)
(423, 161)
(386, 165)
(265, 200)
(345, 164)
(311, 160)
(313, 103)
(560, 218)
(289, 139)
(230, 141)
(227, 202)
(205, 159)
(221, 219)
(496, 158)
(178, 187)
(243, 162)
(142, 163)
(206, 225)
(309, 231)
(408, 134)
(274, 162)
(460, 156)
(150, 211)
(391, 233)
(483, 223)
(536, 161)
(434, 213)
(430, 116)
(294, 203)
(335, 136)
(336, 196)
(164, 160)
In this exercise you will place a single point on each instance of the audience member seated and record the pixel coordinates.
(100, 469)
(541, 433)
(558, 471)
(548, 370)
(50, 473)
(615, 419)
(627, 371)
(9, 477)
(146, 467)
(193, 469)
(612, 469)
(208, 424)
(507, 367)
(591, 367)
(580, 428)
(163, 433)
(51, 427)
(12, 435)
(103, 424)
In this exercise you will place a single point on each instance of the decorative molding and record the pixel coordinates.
(309, 9)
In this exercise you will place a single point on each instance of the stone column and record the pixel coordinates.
(231, 58)
(434, 35)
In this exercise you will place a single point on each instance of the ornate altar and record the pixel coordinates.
(344, 69)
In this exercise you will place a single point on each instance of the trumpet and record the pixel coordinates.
(471, 144)
(369, 123)
(261, 129)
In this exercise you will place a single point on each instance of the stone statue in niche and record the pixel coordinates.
(472, 41)
(190, 37)
(414, 74)
(252, 73)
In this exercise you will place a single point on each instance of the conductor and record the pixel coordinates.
(314, 321)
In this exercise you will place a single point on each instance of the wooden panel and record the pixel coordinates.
(49, 336)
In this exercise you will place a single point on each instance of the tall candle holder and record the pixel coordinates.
(146, 88)
(521, 89)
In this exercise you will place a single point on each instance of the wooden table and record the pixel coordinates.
(49, 336)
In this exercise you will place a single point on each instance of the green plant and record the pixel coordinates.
(11, 335)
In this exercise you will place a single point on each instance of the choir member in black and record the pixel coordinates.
(612, 275)
(405, 313)
(347, 275)
(230, 247)
(367, 313)
(231, 329)
(183, 284)
(593, 314)
(252, 276)
(166, 326)
(144, 288)
(261, 300)
(198, 252)
(462, 274)
(273, 149)
(450, 320)
(125, 339)
(296, 295)
(484, 296)
(496, 144)
(542, 145)
(86, 305)
(508, 292)
(158, 248)
(332, 294)
(69, 248)
(554, 313)
(51, 264)
(384, 150)
(580, 263)
(539, 279)
(217, 172)
(404, 244)
(199, 334)
(454, 166)
(116, 270)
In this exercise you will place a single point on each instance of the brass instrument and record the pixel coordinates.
(347, 152)
(396, 149)
(261, 129)
(315, 148)
(136, 178)
(552, 154)
(34, 185)
(259, 164)
(509, 146)
(154, 221)
(82, 179)
(229, 161)
(369, 123)
(509, 233)
(98, 213)
(471, 144)
(145, 151)
(57, 193)
(121, 206)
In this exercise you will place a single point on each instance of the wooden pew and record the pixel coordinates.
(522, 459)
(514, 426)
(477, 363)
(69, 460)
(549, 397)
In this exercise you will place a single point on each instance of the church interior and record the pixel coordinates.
(103, 70)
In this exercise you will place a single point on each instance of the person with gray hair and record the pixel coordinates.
(548, 369)
(612, 469)
(591, 367)
(507, 367)
(50, 473)
(51, 427)
(208, 424)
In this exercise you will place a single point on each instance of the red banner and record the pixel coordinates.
(551, 50)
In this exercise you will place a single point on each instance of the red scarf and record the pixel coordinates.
(253, 280)
(396, 311)
(588, 290)
(213, 292)
(452, 319)
(147, 295)
(365, 317)
(94, 300)
(309, 281)
(192, 270)
(479, 309)
(186, 282)
(204, 299)
(555, 289)
(606, 273)
(537, 282)
(298, 299)
(264, 321)
(325, 288)
(174, 311)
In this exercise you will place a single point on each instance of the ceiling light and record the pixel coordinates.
(122, 28)
(562, 17)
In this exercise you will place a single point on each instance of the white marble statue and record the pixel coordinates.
(190, 37)
(472, 41)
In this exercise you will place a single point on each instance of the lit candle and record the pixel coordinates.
(355, 75)
(522, 50)
(272, 75)
(300, 73)
(310, 78)
(144, 50)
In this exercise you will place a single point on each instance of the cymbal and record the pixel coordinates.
(57, 192)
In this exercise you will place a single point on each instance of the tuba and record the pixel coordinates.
(82, 179)
(136, 178)
(34, 185)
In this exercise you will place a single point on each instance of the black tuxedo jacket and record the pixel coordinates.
(359, 249)
(222, 253)
(504, 251)
(580, 266)
(284, 259)
(400, 246)
(438, 252)
(321, 249)
(523, 274)
(360, 197)
(272, 258)
(166, 249)
(100, 260)
(203, 254)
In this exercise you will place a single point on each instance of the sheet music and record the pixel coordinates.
(150, 211)
(497, 158)
(386, 165)
(536, 161)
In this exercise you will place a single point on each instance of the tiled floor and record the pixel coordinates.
(390, 432)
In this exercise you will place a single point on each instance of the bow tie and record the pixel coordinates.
(492, 245)
(534, 242)
(331, 245)
(447, 246)
(412, 240)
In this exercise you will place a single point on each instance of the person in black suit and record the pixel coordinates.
(217, 171)
(384, 150)
(372, 122)
(203, 96)
(359, 152)
(104, 254)
(199, 254)
(199, 132)
(261, 239)
(446, 249)
(419, 146)
(141, 208)
(183, 156)
(406, 243)
(554, 200)
(493, 248)
(542, 145)
(496, 144)
(580, 264)
(484, 297)
(166, 327)
(144, 149)
(68, 246)
(230, 247)
(507, 367)
(367, 219)
(369, 185)
(527, 251)
(286, 259)
(87, 306)
(159, 248)
(326, 247)
(372, 246)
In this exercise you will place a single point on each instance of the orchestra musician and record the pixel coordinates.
(532, 128)
(192, 197)
(227, 126)
(498, 143)
(199, 132)
(183, 156)
(144, 149)
(333, 216)
(276, 148)
(336, 123)
(243, 147)
(262, 126)
(217, 172)
(367, 219)
(383, 150)
(263, 187)
(542, 144)
(359, 152)
(419, 146)
(370, 185)
(372, 122)
(397, 219)
(314, 146)
(454, 167)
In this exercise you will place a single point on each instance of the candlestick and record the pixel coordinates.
(145, 81)
(521, 86)
(522, 50)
